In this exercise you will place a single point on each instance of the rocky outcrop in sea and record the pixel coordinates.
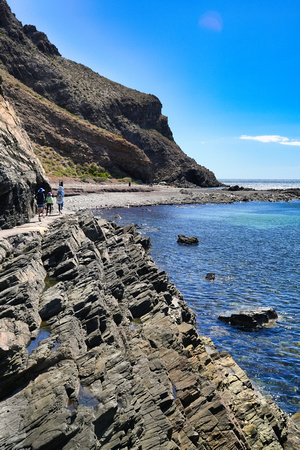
(99, 350)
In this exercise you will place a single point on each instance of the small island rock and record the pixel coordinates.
(187, 240)
(210, 276)
(250, 319)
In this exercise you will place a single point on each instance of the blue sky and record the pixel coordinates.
(226, 71)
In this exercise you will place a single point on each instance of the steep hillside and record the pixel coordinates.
(20, 170)
(62, 138)
(27, 55)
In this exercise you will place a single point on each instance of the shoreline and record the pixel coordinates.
(80, 196)
(84, 196)
(87, 230)
(108, 354)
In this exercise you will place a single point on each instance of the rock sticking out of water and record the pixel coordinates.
(251, 319)
(187, 240)
(210, 276)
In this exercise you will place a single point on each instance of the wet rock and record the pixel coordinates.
(251, 319)
(210, 276)
(235, 188)
(52, 301)
(187, 240)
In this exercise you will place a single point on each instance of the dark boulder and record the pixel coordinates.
(251, 319)
(187, 240)
(210, 276)
(236, 188)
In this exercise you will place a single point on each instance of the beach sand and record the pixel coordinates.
(116, 195)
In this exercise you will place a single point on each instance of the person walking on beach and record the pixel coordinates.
(60, 199)
(40, 199)
(49, 203)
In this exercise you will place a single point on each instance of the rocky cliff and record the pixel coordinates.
(20, 171)
(59, 135)
(28, 56)
(99, 350)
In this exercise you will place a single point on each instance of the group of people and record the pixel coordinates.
(45, 202)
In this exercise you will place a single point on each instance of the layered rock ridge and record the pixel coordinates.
(28, 56)
(99, 350)
(20, 170)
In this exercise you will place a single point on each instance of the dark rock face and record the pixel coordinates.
(28, 56)
(20, 171)
(117, 361)
(40, 40)
(255, 319)
(187, 240)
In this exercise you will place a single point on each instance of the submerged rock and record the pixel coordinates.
(251, 319)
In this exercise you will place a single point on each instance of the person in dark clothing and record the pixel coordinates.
(40, 199)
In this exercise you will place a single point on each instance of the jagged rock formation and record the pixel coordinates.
(20, 171)
(113, 357)
(28, 56)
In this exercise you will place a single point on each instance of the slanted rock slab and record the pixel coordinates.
(251, 319)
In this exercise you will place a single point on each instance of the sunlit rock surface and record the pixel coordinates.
(106, 353)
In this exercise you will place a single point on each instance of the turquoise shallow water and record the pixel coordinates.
(253, 248)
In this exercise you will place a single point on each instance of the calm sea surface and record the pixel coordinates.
(263, 184)
(253, 248)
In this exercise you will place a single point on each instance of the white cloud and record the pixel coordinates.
(272, 138)
(291, 143)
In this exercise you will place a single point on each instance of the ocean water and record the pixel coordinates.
(253, 248)
(263, 184)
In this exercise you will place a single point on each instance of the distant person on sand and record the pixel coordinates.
(60, 199)
(40, 199)
(49, 203)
